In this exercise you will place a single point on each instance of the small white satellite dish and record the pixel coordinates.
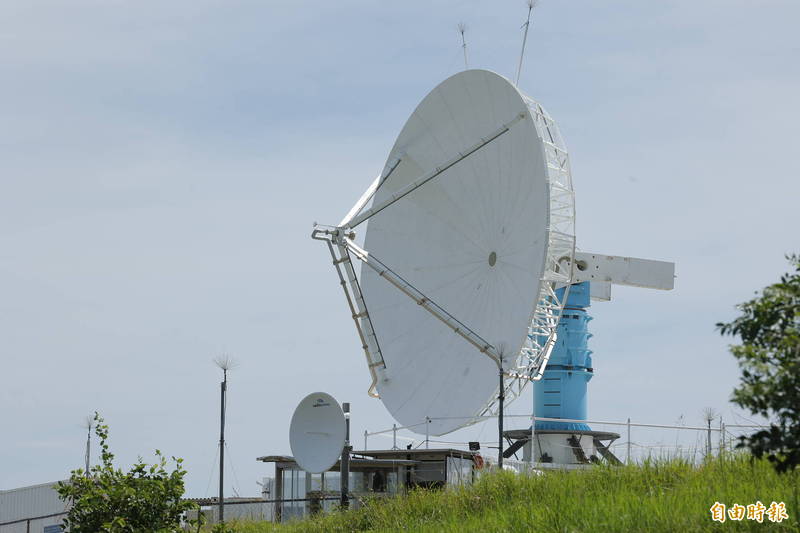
(317, 432)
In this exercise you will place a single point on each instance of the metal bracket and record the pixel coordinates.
(355, 300)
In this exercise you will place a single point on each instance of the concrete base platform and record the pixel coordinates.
(561, 447)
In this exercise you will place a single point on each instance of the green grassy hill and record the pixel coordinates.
(659, 496)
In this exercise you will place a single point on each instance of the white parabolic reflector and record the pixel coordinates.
(317, 432)
(476, 240)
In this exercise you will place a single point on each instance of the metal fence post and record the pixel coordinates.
(427, 431)
(628, 460)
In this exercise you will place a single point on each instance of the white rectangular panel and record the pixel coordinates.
(600, 291)
(630, 271)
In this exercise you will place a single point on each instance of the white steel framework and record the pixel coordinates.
(531, 362)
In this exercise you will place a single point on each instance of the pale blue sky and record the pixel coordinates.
(161, 164)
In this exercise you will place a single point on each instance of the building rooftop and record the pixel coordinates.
(383, 458)
(204, 502)
(355, 462)
(418, 454)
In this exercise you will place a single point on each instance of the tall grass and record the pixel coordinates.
(659, 495)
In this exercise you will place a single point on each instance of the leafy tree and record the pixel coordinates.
(106, 499)
(769, 358)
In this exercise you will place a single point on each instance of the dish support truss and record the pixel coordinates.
(529, 364)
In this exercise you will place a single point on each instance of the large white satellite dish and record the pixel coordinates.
(470, 231)
(317, 432)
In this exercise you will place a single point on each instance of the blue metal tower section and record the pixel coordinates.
(561, 393)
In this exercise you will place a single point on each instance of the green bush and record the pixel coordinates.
(106, 499)
(769, 357)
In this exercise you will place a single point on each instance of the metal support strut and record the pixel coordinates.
(425, 178)
(429, 305)
(357, 305)
(500, 400)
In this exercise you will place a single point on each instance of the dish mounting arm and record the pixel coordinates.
(355, 300)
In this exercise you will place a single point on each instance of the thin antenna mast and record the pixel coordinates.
(225, 363)
(531, 5)
(88, 424)
(461, 29)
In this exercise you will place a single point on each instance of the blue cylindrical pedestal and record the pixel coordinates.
(561, 393)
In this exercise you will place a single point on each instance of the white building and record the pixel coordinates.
(35, 509)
